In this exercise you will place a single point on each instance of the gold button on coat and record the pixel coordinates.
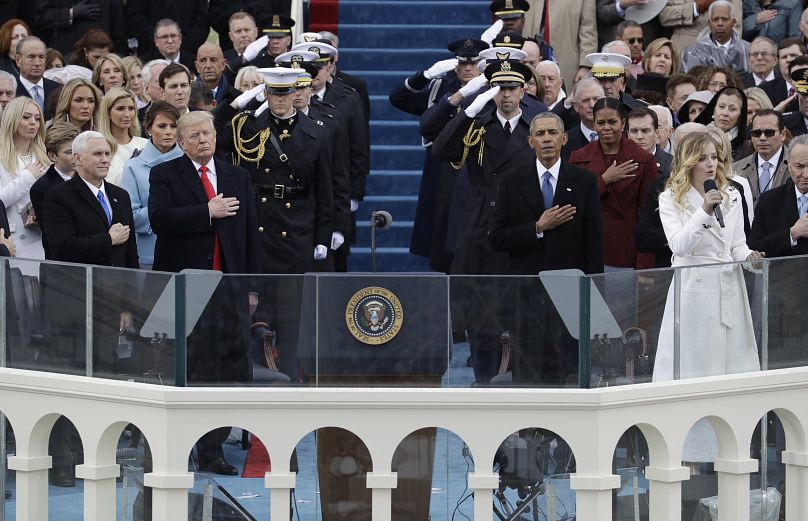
(260, 228)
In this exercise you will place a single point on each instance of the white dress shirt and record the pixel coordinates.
(211, 173)
(513, 121)
(554, 170)
(774, 161)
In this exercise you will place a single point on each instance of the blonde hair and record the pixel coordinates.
(66, 97)
(104, 125)
(688, 152)
(10, 121)
(759, 96)
(654, 47)
(247, 71)
(115, 59)
(192, 118)
(129, 63)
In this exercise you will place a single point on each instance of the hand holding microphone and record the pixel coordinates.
(712, 200)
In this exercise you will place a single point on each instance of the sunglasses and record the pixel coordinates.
(632, 41)
(769, 132)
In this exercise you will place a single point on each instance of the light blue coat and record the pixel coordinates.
(135, 180)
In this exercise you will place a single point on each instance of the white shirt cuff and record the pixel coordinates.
(620, 11)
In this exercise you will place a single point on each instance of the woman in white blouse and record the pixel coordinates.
(23, 160)
(117, 121)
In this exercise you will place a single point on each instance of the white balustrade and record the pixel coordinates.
(591, 422)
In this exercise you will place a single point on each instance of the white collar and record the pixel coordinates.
(774, 161)
(513, 121)
(28, 85)
(586, 131)
(211, 167)
(95, 190)
(63, 176)
(799, 194)
(759, 80)
(554, 170)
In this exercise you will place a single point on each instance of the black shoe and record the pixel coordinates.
(63, 478)
(220, 466)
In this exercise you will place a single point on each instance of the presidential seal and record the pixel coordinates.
(374, 315)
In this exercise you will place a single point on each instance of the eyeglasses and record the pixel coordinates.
(173, 36)
(760, 54)
(632, 41)
(769, 132)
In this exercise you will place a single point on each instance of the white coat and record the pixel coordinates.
(14, 192)
(716, 334)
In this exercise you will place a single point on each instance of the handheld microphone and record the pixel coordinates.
(381, 219)
(710, 185)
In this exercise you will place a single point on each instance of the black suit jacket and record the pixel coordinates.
(576, 244)
(795, 123)
(775, 214)
(664, 161)
(51, 179)
(5, 226)
(178, 212)
(187, 58)
(49, 86)
(361, 88)
(776, 89)
(191, 15)
(77, 226)
(575, 140)
(649, 235)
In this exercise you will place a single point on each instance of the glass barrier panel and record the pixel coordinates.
(786, 315)
(624, 315)
(45, 316)
(379, 330)
(521, 331)
(131, 331)
(240, 330)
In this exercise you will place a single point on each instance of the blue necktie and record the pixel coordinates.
(38, 97)
(803, 205)
(765, 177)
(547, 190)
(105, 206)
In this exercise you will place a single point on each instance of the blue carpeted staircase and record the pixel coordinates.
(383, 42)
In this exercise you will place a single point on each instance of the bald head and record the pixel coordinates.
(210, 64)
(685, 129)
(533, 53)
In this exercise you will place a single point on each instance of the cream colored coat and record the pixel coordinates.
(678, 15)
(716, 335)
(14, 192)
(573, 32)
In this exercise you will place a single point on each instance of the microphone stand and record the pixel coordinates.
(373, 243)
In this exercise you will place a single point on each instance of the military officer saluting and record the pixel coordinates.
(288, 159)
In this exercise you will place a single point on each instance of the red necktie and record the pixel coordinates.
(547, 22)
(211, 193)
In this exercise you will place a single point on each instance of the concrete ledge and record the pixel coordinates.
(380, 480)
(21, 463)
(167, 482)
(98, 473)
(671, 475)
(478, 480)
(746, 466)
(609, 482)
(279, 480)
(798, 459)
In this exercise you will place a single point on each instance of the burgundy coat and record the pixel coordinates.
(620, 201)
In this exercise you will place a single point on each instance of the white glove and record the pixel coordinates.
(320, 252)
(262, 96)
(473, 86)
(480, 101)
(337, 240)
(245, 97)
(490, 33)
(354, 205)
(260, 110)
(255, 48)
(440, 68)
